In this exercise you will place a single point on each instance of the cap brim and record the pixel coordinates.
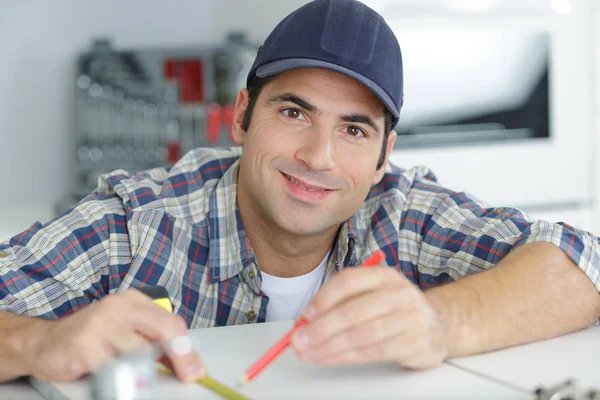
(275, 67)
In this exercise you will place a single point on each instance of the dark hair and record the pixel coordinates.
(256, 85)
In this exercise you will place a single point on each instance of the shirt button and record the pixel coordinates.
(251, 315)
(498, 211)
(3, 254)
(252, 274)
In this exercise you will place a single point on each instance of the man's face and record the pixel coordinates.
(311, 150)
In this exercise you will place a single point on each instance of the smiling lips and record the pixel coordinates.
(306, 186)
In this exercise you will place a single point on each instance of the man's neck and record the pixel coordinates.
(287, 257)
(280, 253)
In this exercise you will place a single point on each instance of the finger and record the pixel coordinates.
(155, 323)
(361, 336)
(126, 342)
(137, 312)
(349, 283)
(164, 360)
(171, 332)
(354, 312)
(184, 360)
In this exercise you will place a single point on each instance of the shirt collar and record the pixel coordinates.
(357, 239)
(229, 248)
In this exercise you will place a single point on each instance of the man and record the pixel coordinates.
(247, 238)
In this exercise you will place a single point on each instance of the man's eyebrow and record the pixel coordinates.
(292, 98)
(361, 118)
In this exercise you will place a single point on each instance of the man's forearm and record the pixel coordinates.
(16, 334)
(534, 293)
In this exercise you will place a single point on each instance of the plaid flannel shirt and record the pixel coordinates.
(181, 228)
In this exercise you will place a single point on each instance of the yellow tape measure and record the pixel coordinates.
(160, 296)
(211, 384)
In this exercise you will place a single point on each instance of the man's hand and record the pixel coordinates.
(66, 349)
(371, 314)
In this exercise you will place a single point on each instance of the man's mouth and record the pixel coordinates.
(305, 185)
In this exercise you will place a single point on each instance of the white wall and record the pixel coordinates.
(256, 17)
(553, 179)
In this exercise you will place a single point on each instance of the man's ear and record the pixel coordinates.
(390, 146)
(241, 103)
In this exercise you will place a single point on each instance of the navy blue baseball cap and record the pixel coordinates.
(344, 36)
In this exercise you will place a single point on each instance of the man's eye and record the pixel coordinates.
(355, 131)
(293, 113)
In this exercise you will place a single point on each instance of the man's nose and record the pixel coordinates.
(317, 150)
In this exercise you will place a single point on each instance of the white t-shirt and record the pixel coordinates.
(289, 296)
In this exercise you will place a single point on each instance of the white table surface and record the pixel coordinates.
(228, 351)
(545, 363)
(18, 390)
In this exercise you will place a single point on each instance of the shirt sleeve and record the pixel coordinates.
(461, 235)
(51, 270)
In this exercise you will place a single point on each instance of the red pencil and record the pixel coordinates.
(374, 260)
